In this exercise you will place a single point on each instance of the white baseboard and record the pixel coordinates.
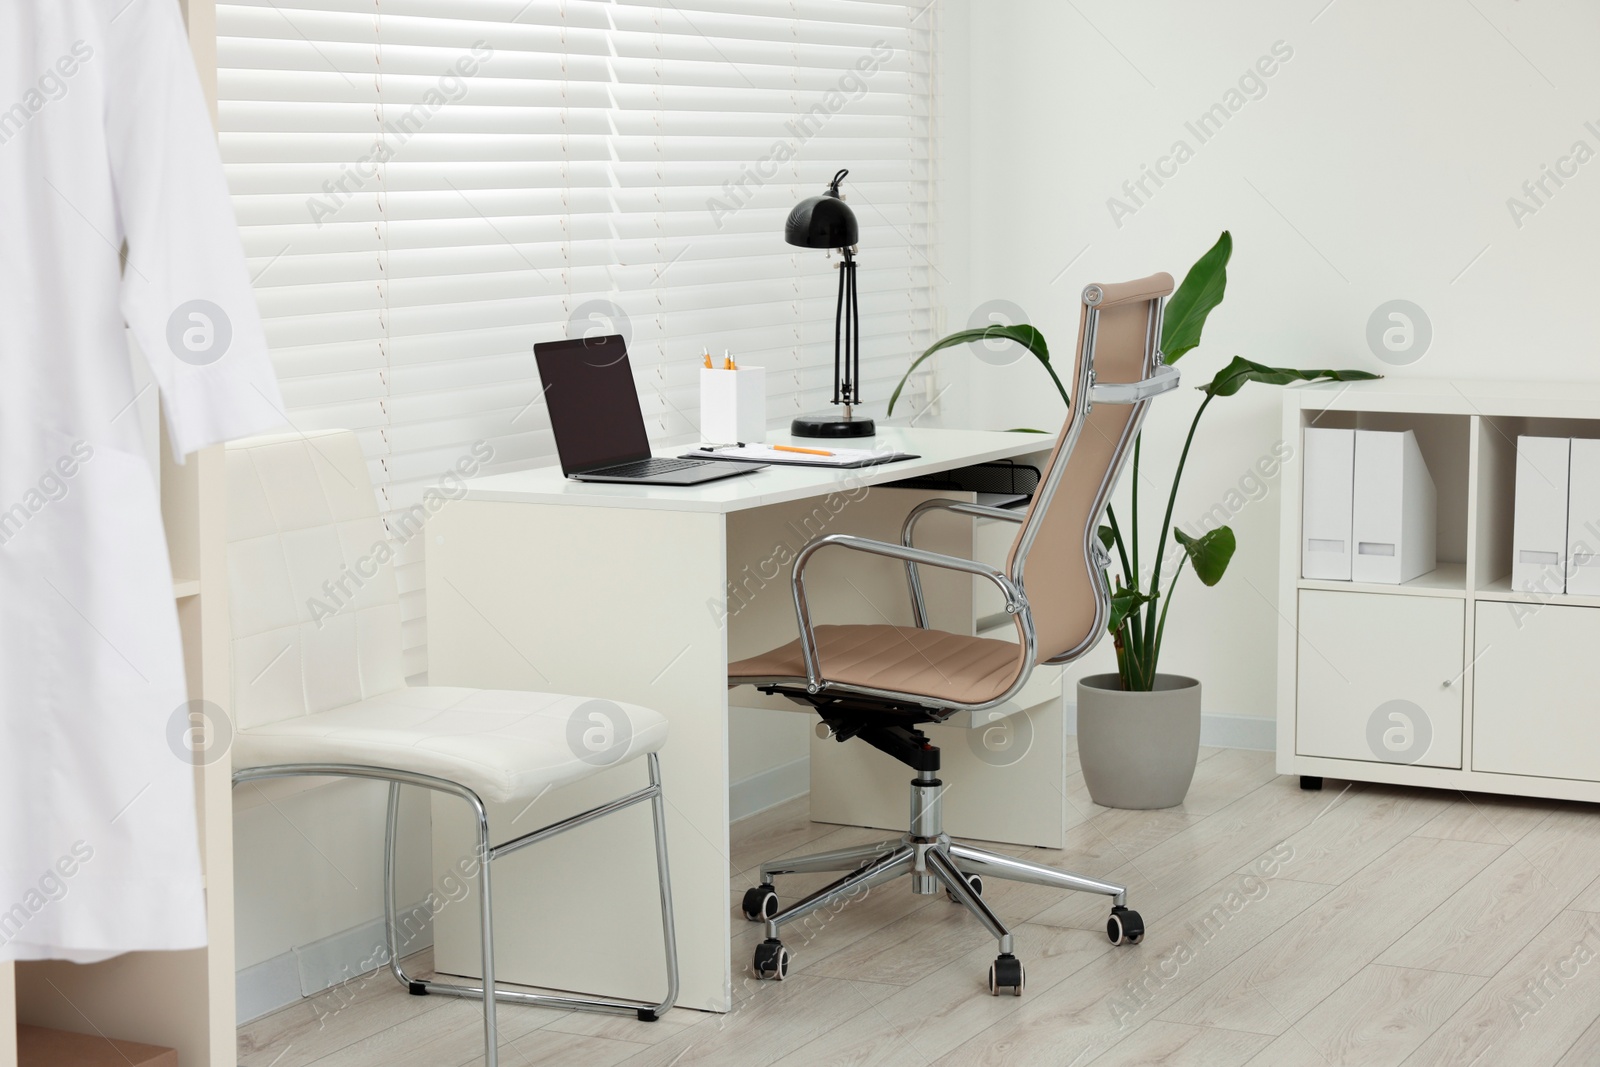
(1220, 731)
(266, 987)
(769, 788)
(1239, 731)
(311, 969)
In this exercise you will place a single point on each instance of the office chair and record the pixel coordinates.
(878, 683)
(319, 690)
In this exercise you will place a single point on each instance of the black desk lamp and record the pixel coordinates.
(826, 221)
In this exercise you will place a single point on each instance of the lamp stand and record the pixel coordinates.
(846, 365)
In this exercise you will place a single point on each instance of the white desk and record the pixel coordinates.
(644, 594)
(939, 450)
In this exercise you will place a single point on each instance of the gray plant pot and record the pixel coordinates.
(1138, 750)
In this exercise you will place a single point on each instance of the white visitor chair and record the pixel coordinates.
(319, 690)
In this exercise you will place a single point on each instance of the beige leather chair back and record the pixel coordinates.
(311, 587)
(1119, 335)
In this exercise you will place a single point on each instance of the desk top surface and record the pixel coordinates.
(940, 450)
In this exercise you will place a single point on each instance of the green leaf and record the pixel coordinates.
(1108, 538)
(1209, 553)
(1200, 292)
(1024, 335)
(1025, 429)
(1235, 375)
(1123, 603)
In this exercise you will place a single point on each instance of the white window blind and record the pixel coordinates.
(428, 187)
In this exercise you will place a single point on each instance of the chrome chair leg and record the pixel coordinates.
(485, 850)
(487, 853)
(944, 868)
(884, 869)
(669, 930)
(843, 859)
(982, 861)
(391, 920)
(491, 1037)
(645, 1012)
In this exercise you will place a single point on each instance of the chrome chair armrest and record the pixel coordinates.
(1015, 604)
(919, 611)
(1164, 380)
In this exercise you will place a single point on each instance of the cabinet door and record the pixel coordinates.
(1379, 678)
(1533, 691)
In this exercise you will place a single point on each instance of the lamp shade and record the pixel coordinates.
(821, 222)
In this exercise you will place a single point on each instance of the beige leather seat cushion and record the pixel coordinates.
(931, 663)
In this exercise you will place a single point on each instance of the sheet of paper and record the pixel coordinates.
(840, 457)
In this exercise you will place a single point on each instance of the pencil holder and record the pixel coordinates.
(733, 405)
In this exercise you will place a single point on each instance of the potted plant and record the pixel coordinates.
(1139, 729)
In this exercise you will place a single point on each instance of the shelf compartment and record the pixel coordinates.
(1445, 580)
(1497, 488)
(38, 1046)
(1446, 444)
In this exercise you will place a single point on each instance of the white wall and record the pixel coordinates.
(1377, 165)
(308, 866)
(769, 757)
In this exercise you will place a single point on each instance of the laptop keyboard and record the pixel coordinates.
(647, 468)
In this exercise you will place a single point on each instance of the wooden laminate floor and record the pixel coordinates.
(1361, 925)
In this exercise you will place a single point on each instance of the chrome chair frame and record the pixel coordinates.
(486, 854)
(926, 853)
(1160, 379)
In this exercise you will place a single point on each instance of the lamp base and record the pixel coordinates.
(832, 426)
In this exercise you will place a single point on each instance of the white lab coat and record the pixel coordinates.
(104, 137)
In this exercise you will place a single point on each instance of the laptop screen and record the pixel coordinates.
(593, 404)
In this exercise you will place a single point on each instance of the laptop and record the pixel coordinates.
(597, 422)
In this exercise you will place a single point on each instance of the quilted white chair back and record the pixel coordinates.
(312, 594)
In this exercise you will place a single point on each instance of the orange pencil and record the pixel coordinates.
(807, 451)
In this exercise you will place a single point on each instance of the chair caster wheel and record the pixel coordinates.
(760, 903)
(1006, 973)
(973, 880)
(772, 961)
(1125, 927)
(1311, 781)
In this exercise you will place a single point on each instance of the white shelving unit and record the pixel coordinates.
(1451, 680)
(181, 1000)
